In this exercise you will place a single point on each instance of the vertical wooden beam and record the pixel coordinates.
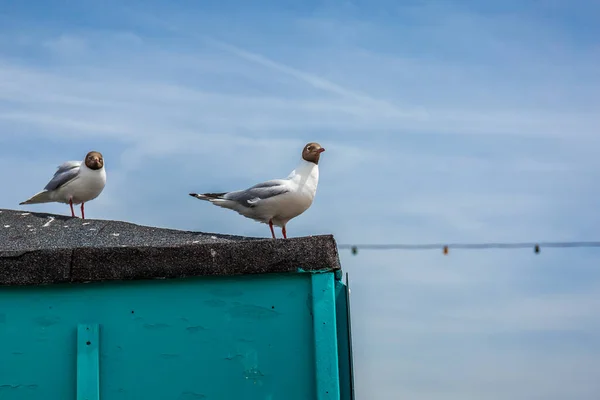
(88, 362)
(325, 335)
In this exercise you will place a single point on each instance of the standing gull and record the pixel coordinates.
(277, 201)
(74, 182)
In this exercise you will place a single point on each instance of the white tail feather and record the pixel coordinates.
(41, 197)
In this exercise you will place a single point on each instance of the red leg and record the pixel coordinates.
(72, 211)
(284, 232)
(271, 226)
(82, 213)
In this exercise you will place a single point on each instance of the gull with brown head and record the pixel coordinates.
(277, 201)
(75, 182)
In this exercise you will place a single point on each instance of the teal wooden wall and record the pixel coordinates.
(246, 337)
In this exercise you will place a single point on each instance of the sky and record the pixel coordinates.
(443, 121)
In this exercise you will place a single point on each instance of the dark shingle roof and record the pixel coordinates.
(38, 248)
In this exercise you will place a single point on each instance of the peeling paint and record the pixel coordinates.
(13, 387)
(194, 329)
(234, 357)
(215, 303)
(253, 373)
(252, 312)
(156, 326)
(191, 396)
(46, 321)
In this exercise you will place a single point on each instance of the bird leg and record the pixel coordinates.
(271, 226)
(72, 211)
(284, 233)
(82, 213)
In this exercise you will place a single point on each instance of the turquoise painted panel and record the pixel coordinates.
(247, 337)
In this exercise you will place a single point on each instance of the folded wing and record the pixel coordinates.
(252, 196)
(66, 172)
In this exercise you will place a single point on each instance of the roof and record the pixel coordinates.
(38, 248)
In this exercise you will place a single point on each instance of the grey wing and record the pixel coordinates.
(262, 191)
(66, 172)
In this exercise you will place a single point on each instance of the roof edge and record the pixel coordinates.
(241, 257)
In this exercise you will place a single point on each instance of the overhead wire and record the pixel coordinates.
(445, 247)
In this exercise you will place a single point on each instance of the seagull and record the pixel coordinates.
(75, 182)
(277, 201)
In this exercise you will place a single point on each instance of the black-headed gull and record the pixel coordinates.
(75, 182)
(277, 201)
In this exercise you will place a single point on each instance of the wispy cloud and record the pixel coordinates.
(316, 81)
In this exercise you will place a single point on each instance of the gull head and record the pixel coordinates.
(312, 152)
(94, 160)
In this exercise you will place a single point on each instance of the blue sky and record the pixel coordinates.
(443, 121)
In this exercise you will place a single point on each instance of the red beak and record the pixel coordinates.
(321, 150)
